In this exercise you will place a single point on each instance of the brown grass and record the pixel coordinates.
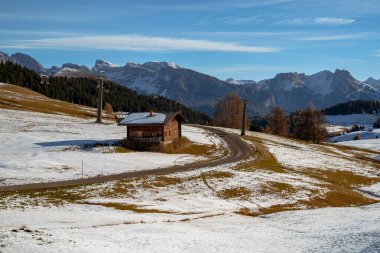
(278, 188)
(340, 197)
(233, 193)
(161, 181)
(339, 185)
(263, 159)
(130, 207)
(263, 211)
(358, 157)
(18, 98)
(345, 179)
(336, 197)
(120, 188)
(349, 148)
(120, 149)
(55, 197)
(218, 174)
(184, 146)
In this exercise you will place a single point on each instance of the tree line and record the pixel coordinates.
(354, 107)
(308, 124)
(84, 91)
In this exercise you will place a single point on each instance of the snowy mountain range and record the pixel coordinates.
(291, 91)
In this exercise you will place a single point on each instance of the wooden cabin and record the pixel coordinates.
(150, 127)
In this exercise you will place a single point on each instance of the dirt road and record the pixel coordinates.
(238, 150)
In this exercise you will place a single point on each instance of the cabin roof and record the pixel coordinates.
(144, 118)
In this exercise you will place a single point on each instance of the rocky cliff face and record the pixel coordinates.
(373, 82)
(27, 61)
(4, 57)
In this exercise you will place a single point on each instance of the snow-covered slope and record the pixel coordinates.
(89, 228)
(369, 137)
(240, 82)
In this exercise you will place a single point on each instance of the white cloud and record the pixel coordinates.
(337, 37)
(211, 6)
(333, 21)
(317, 21)
(138, 43)
(377, 53)
(260, 34)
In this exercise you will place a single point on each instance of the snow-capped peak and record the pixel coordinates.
(232, 81)
(240, 82)
(173, 65)
(101, 64)
(158, 65)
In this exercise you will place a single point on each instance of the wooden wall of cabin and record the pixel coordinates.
(172, 130)
(145, 131)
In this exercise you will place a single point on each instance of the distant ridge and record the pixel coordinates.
(354, 107)
(291, 91)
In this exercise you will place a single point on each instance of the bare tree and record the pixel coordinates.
(108, 108)
(319, 126)
(278, 123)
(229, 112)
(309, 125)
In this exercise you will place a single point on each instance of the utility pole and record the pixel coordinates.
(243, 123)
(100, 100)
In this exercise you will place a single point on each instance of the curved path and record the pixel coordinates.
(238, 150)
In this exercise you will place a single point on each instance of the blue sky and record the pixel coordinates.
(241, 39)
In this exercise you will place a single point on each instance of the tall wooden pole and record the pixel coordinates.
(100, 101)
(243, 123)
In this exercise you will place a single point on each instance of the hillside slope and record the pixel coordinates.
(19, 98)
(84, 91)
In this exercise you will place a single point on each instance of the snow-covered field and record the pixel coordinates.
(85, 228)
(38, 147)
(207, 210)
(300, 156)
(369, 138)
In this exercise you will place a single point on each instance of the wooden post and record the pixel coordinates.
(100, 102)
(243, 120)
